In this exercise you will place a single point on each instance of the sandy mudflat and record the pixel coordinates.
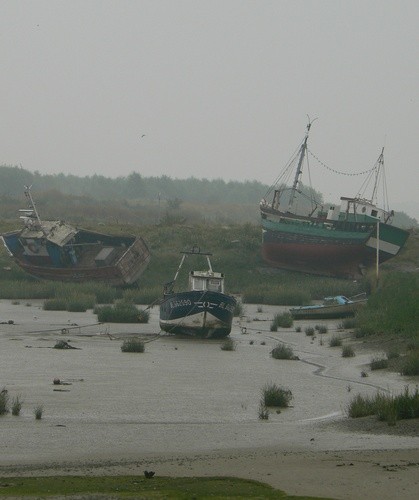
(186, 407)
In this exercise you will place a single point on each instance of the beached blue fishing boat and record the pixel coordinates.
(204, 310)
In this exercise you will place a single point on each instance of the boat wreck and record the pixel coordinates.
(55, 250)
(338, 241)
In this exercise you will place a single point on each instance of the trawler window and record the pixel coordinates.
(374, 213)
(198, 284)
(214, 285)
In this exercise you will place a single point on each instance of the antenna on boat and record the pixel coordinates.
(33, 206)
(303, 149)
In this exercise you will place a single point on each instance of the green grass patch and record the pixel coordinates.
(139, 487)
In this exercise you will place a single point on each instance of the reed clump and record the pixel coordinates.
(348, 351)
(133, 345)
(121, 312)
(282, 351)
(4, 401)
(386, 407)
(281, 320)
(335, 341)
(276, 395)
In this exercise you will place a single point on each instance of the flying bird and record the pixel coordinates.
(142, 136)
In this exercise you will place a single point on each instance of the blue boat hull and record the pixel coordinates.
(203, 314)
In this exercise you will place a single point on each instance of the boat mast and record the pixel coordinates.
(298, 173)
(380, 164)
(33, 207)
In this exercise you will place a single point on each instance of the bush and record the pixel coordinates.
(347, 323)
(335, 341)
(281, 351)
(309, 331)
(274, 395)
(133, 345)
(348, 351)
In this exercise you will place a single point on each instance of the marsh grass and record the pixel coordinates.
(55, 305)
(276, 395)
(38, 412)
(335, 341)
(121, 312)
(347, 323)
(282, 351)
(133, 345)
(239, 309)
(321, 329)
(388, 408)
(4, 401)
(228, 344)
(16, 406)
(348, 351)
(409, 364)
(378, 363)
(309, 331)
(282, 320)
(263, 411)
(391, 312)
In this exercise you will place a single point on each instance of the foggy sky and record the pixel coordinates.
(219, 88)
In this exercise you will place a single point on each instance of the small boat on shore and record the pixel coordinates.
(204, 310)
(331, 308)
(55, 250)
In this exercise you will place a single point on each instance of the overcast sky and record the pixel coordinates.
(218, 88)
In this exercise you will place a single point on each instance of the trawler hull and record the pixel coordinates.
(124, 261)
(331, 249)
(203, 314)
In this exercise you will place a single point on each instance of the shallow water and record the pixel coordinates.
(181, 395)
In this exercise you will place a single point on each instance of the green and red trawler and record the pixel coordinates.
(340, 241)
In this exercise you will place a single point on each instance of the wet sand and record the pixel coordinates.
(187, 408)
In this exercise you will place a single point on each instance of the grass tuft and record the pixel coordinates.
(348, 351)
(335, 341)
(4, 401)
(228, 345)
(282, 351)
(133, 345)
(276, 395)
(38, 412)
